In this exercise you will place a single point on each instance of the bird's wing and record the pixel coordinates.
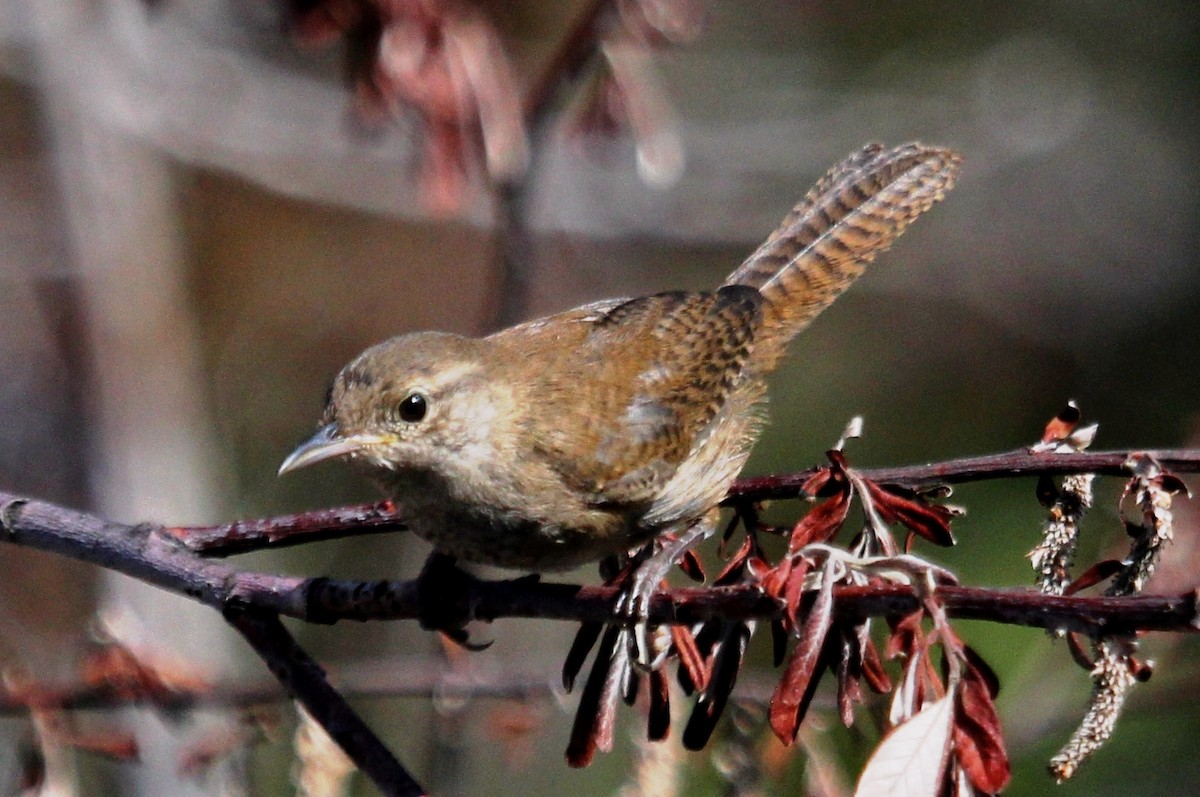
(641, 389)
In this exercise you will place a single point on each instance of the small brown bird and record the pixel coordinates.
(591, 432)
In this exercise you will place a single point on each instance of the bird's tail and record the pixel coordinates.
(854, 212)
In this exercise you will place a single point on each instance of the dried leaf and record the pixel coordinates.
(1047, 491)
(822, 521)
(978, 739)
(593, 726)
(1079, 653)
(1061, 426)
(795, 690)
(913, 511)
(816, 484)
(1101, 571)
(849, 674)
(690, 564)
(980, 668)
(585, 640)
(727, 661)
(690, 659)
(911, 759)
(877, 677)
(658, 723)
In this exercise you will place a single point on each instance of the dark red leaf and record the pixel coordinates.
(877, 677)
(1047, 491)
(732, 572)
(1141, 670)
(585, 640)
(913, 511)
(978, 739)
(727, 661)
(593, 726)
(1173, 485)
(817, 482)
(982, 669)
(114, 744)
(849, 673)
(1079, 653)
(822, 521)
(689, 656)
(1061, 426)
(795, 690)
(690, 564)
(658, 724)
(905, 639)
(1098, 572)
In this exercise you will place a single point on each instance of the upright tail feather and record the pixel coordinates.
(854, 212)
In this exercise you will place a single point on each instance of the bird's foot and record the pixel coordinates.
(650, 644)
(444, 600)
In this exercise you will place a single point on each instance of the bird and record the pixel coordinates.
(617, 426)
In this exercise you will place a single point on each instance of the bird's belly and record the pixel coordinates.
(522, 543)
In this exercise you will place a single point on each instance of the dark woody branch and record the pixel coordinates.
(151, 553)
(384, 516)
(180, 560)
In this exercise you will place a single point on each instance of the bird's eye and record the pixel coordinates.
(412, 407)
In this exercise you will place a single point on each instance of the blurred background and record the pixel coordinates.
(208, 206)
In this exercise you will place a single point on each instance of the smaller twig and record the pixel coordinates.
(385, 516)
(305, 679)
(242, 536)
(973, 469)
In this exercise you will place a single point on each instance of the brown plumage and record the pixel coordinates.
(586, 433)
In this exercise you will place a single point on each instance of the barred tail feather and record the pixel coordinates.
(854, 212)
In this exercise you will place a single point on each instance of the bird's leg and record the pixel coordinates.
(646, 576)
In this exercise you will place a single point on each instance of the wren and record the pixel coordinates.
(594, 431)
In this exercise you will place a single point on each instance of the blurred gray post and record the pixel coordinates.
(153, 456)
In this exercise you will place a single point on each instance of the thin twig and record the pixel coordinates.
(384, 516)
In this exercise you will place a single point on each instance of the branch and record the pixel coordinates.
(151, 553)
(386, 516)
(306, 681)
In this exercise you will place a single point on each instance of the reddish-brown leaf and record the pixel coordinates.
(689, 656)
(817, 482)
(982, 669)
(849, 673)
(795, 690)
(978, 739)
(585, 640)
(690, 564)
(1098, 572)
(1061, 425)
(114, 744)
(593, 726)
(1079, 653)
(822, 521)
(733, 570)
(1173, 484)
(726, 662)
(658, 723)
(913, 511)
(877, 677)
(906, 636)
(1047, 491)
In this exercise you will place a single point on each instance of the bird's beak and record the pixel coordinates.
(327, 443)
